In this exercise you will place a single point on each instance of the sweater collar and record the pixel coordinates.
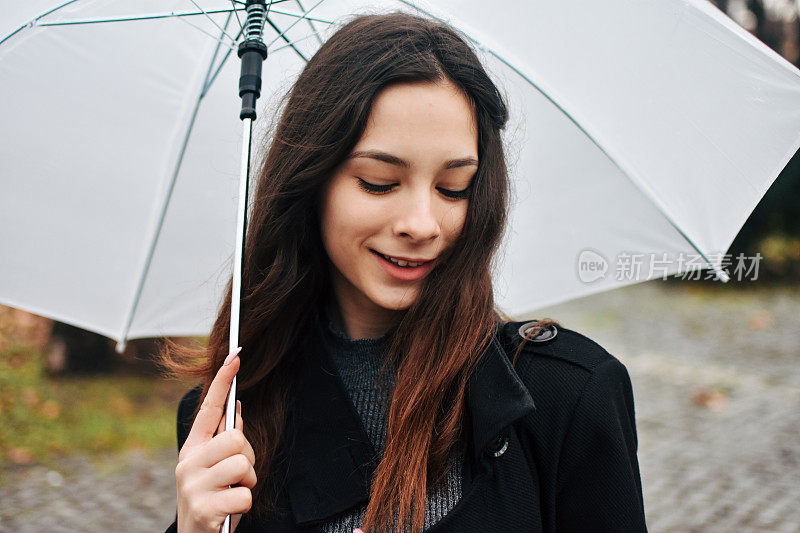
(331, 459)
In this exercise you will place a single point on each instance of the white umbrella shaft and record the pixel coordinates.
(252, 52)
(236, 288)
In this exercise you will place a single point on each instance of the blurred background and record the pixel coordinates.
(88, 435)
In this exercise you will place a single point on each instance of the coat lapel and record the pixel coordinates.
(496, 397)
(331, 458)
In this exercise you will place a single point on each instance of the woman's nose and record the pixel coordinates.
(416, 218)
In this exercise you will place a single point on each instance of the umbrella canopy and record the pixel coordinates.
(650, 127)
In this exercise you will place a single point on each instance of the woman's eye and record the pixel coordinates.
(458, 195)
(374, 188)
(381, 189)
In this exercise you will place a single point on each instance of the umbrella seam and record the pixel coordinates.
(627, 170)
(161, 214)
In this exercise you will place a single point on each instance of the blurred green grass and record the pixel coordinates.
(45, 417)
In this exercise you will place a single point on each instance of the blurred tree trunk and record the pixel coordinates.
(73, 350)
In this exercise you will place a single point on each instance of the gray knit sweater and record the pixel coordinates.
(359, 362)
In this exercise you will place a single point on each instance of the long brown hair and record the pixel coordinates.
(438, 340)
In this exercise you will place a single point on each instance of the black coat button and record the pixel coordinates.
(497, 447)
(547, 334)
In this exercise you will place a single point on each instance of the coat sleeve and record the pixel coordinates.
(598, 482)
(184, 424)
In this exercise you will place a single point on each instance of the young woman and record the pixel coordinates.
(383, 390)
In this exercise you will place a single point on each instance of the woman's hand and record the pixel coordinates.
(212, 459)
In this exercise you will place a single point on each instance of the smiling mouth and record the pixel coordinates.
(404, 263)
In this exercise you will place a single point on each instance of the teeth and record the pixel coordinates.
(400, 262)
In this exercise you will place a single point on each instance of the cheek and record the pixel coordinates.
(347, 219)
(453, 221)
(333, 217)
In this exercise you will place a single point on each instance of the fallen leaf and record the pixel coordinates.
(712, 399)
(19, 456)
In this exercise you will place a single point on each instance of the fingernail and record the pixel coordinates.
(357, 530)
(232, 355)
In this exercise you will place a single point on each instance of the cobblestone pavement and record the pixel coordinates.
(716, 378)
(717, 387)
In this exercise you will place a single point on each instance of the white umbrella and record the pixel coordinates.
(638, 128)
(647, 127)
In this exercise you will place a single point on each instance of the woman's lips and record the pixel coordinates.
(403, 273)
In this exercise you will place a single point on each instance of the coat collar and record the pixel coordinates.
(331, 458)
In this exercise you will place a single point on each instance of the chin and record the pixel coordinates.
(399, 303)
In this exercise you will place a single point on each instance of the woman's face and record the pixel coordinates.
(400, 199)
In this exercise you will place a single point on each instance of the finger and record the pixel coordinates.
(213, 405)
(234, 470)
(248, 449)
(239, 419)
(224, 445)
(234, 500)
(250, 454)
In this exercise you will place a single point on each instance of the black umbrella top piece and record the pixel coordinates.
(252, 52)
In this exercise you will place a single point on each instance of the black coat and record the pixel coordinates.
(552, 444)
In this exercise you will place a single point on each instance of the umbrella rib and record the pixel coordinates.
(309, 36)
(236, 12)
(219, 67)
(304, 16)
(133, 18)
(214, 22)
(288, 42)
(311, 24)
(198, 28)
(621, 166)
(33, 21)
(165, 203)
(129, 18)
(231, 46)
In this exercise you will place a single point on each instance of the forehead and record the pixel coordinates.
(422, 121)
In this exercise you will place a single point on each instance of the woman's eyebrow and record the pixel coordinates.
(394, 160)
(462, 162)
